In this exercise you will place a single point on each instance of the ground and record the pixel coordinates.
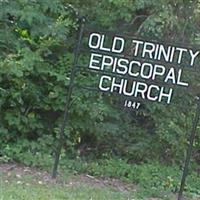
(24, 183)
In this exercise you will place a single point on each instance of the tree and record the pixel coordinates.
(36, 45)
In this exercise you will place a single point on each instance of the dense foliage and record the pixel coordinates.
(36, 57)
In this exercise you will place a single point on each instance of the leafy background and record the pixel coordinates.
(37, 40)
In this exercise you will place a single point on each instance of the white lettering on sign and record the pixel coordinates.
(97, 41)
(169, 54)
(135, 89)
(145, 74)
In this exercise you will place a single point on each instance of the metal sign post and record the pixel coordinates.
(190, 148)
(68, 98)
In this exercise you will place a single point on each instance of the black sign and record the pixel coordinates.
(137, 69)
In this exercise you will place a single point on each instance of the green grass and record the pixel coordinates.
(146, 181)
(38, 192)
(28, 188)
(152, 179)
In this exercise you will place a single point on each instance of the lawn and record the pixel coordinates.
(29, 184)
(31, 191)
(25, 183)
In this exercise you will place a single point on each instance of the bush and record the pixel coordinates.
(31, 153)
(153, 180)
